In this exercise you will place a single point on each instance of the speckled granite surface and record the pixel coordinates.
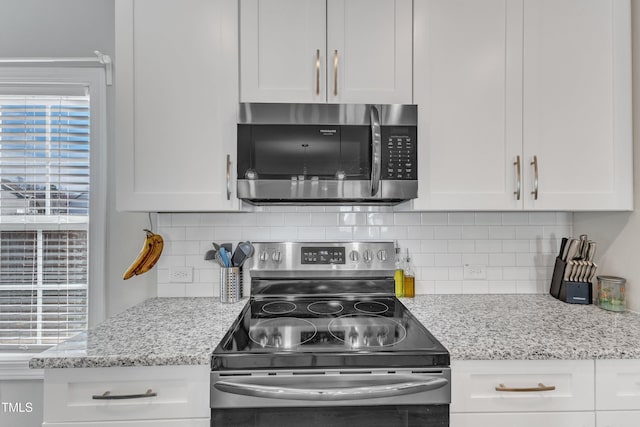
(159, 331)
(184, 331)
(485, 327)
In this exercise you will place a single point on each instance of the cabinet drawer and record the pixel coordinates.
(618, 419)
(192, 422)
(526, 419)
(474, 383)
(181, 392)
(617, 384)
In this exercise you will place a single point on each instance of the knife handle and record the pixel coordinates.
(563, 244)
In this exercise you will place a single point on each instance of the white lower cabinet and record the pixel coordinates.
(525, 419)
(553, 393)
(177, 396)
(618, 393)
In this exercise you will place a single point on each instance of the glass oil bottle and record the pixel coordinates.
(409, 278)
(399, 274)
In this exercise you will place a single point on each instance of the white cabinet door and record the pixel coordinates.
(468, 87)
(355, 51)
(283, 50)
(369, 50)
(526, 419)
(618, 385)
(176, 103)
(577, 104)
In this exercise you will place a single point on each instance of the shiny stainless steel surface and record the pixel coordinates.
(329, 191)
(326, 114)
(376, 149)
(283, 259)
(345, 387)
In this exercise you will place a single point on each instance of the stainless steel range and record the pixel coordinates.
(323, 341)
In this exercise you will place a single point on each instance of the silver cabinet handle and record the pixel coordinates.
(228, 176)
(540, 387)
(518, 179)
(534, 163)
(335, 72)
(108, 396)
(331, 394)
(317, 72)
(376, 150)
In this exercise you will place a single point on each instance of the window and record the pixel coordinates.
(47, 145)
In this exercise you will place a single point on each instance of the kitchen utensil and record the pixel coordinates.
(243, 251)
(591, 251)
(224, 257)
(574, 248)
(211, 254)
(563, 247)
(227, 247)
(567, 271)
(594, 267)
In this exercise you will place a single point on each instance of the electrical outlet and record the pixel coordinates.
(475, 272)
(181, 274)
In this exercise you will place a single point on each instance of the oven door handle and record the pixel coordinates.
(369, 391)
(376, 150)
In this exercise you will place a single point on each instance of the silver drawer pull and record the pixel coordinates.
(108, 396)
(541, 387)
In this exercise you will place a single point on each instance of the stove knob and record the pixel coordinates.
(354, 256)
(367, 256)
(277, 257)
(366, 339)
(382, 255)
(264, 255)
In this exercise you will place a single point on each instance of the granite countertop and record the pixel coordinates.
(158, 331)
(526, 327)
(185, 331)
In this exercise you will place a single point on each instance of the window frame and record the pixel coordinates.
(94, 79)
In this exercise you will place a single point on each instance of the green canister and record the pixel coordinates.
(610, 293)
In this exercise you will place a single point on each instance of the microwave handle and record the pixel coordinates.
(376, 149)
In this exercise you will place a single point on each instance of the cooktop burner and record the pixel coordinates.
(365, 331)
(325, 307)
(371, 307)
(282, 332)
(278, 307)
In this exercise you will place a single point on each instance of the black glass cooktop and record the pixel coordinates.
(327, 332)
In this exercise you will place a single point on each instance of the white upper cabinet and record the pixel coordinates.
(577, 104)
(523, 104)
(176, 103)
(468, 88)
(337, 51)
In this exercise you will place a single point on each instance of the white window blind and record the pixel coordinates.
(44, 217)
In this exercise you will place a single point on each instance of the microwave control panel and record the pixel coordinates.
(399, 153)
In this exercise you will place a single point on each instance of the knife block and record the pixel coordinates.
(571, 292)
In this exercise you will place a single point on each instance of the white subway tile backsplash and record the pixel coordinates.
(517, 249)
(406, 218)
(380, 218)
(297, 219)
(366, 233)
(488, 218)
(393, 232)
(475, 232)
(339, 233)
(447, 232)
(462, 218)
(434, 218)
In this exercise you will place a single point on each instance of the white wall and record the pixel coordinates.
(618, 234)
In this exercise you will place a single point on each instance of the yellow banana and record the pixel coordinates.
(148, 256)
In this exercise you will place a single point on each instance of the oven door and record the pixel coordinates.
(351, 398)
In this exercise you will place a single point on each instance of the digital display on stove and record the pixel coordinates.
(318, 255)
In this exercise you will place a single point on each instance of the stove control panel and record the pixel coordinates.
(322, 255)
(321, 259)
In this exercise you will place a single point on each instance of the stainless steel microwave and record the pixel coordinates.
(327, 153)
